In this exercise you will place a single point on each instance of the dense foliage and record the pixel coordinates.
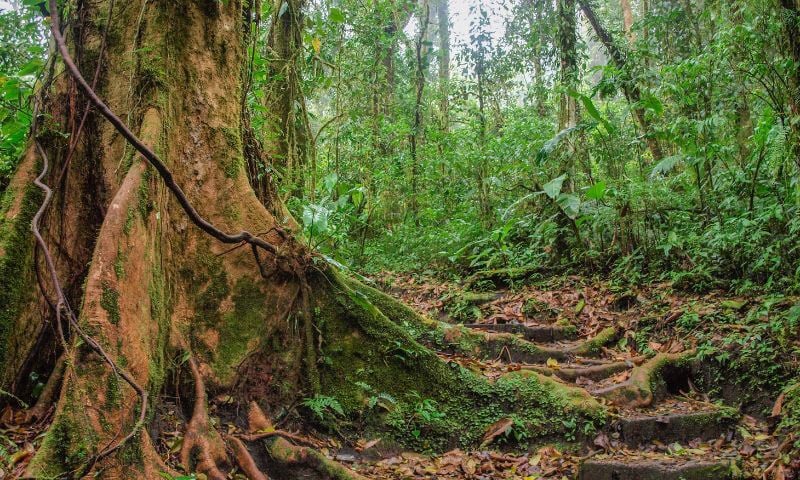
(682, 162)
(720, 205)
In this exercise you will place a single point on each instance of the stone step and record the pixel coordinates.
(674, 427)
(511, 347)
(654, 467)
(594, 372)
(535, 333)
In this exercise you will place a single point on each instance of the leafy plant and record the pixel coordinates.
(322, 406)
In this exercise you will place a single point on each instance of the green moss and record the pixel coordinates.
(131, 453)
(365, 347)
(231, 211)
(113, 392)
(68, 443)
(536, 308)
(212, 282)
(16, 263)
(152, 73)
(160, 312)
(239, 327)
(109, 301)
(232, 165)
(119, 264)
(127, 160)
(593, 346)
(143, 198)
(130, 217)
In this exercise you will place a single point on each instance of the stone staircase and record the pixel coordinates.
(656, 424)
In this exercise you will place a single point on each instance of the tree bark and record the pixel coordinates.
(627, 19)
(567, 39)
(419, 81)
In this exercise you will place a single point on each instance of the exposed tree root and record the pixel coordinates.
(200, 437)
(279, 433)
(592, 372)
(471, 342)
(285, 453)
(245, 460)
(638, 390)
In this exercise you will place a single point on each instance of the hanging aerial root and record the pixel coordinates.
(201, 438)
(284, 452)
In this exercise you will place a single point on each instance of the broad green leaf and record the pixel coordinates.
(553, 187)
(653, 103)
(592, 110)
(597, 191)
(357, 196)
(551, 144)
(665, 165)
(335, 15)
(330, 181)
(30, 68)
(570, 203)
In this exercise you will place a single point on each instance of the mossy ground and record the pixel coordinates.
(436, 405)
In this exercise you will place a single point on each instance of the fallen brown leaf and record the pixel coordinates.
(496, 429)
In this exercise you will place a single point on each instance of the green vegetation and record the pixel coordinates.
(499, 183)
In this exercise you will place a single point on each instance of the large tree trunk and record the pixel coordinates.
(169, 299)
(287, 142)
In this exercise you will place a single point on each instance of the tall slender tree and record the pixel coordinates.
(287, 140)
(567, 42)
(443, 17)
(629, 84)
(421, 57)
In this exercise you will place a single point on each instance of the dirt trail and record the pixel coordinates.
(661, 425)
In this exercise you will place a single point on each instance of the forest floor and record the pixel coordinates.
(686, 431)
(666, 438)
